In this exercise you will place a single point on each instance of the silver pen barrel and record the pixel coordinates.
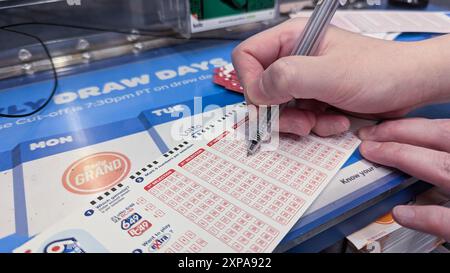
(306, 45)
(315, 28)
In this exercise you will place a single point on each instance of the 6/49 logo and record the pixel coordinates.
(127, 223)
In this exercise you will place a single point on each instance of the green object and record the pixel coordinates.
(196, 8)
(210, 9)
(256, 5)
(239, 3)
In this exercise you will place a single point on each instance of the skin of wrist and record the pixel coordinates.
(428, 62)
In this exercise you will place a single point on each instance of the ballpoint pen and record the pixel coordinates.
(306, 45)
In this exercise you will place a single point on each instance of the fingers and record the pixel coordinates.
(297, 77)
(297, 122)
(254, 55)
(387, 115)
(331, 124)
(396, 144)
(426, 164)
(433, 134)
(326, 124)
(302, 122)
(429, 219)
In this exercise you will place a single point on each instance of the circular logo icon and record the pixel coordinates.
(385, 220)
(89, 212)
(96, 173)
(139, 180)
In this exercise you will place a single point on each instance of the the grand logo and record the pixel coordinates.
(96, 173)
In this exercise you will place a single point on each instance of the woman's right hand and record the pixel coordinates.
(356, 74)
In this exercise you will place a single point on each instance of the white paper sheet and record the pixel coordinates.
(77, 176)
(7, 221)
(360, 174)
(388, 21)
(205, 195)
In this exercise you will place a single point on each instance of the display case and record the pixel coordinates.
(193, 16)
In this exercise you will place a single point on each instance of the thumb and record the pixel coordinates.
(296, 77)
(429, 219)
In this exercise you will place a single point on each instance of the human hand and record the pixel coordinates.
(363, 76)
(421, 148)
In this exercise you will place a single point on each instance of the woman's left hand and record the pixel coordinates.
(421, 148)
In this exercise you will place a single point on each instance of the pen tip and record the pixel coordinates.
(253, 146)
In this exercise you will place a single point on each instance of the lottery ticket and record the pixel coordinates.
(226, 77)
(205, 195)
(76, 176)
(359, 174)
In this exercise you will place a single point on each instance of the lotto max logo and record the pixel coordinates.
(159, 242)
(69, 245)
(96, 173)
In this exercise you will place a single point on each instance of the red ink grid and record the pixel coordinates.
(279, 167)
(265, 197)
(189, 242)
(346, 140)
(222, 219)
(313, 152)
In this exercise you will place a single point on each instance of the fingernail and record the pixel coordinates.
(369, 146)
(404, 214)
(366, 132)
(255, 92)
(311, 118)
